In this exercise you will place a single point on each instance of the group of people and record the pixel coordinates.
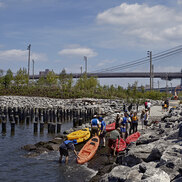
(125, 124)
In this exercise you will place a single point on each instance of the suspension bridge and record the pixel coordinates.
(115, 71)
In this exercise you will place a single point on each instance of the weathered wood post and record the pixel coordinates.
(27, 120)
(11, 119)
(16, 119)
(49, 127)
(53, 128)
(80, 121)
(59, 127)
(36, 124)
(3, 124)
(74, 122)
(41, 124)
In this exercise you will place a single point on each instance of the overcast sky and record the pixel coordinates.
(108, 32)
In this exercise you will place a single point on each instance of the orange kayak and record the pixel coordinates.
(122, 145)
(133, 137)
(88, 150)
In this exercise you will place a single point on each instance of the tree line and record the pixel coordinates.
(63, 86)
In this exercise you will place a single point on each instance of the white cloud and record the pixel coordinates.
(141, 21)
(19, 55)
(179, 2)
(77, 51)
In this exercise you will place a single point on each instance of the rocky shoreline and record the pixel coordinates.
(156, 156)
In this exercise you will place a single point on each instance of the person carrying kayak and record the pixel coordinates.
(94, 126)
(103, 131)
(114, 135)
(64, 147)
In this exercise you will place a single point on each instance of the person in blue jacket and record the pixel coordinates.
(94, 126)
(64, 147)
(103, 131)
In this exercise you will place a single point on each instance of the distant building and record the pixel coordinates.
(44, 73)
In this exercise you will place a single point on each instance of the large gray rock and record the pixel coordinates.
(171, 160)
(119, 173)
(148, 137)
(172, 119)
(134, 175)
(157, 176)
(29, 147)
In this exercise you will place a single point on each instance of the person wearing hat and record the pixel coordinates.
(103, 131)
(114, 135)
(94, 126)
(64, 147)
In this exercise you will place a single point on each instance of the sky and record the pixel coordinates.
(107, 32)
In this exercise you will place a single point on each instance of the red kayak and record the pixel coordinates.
(122, 145)
(132, 138)
(111, 127)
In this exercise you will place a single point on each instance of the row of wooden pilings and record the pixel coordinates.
(41, 116)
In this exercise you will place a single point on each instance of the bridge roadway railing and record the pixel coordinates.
(162, 75)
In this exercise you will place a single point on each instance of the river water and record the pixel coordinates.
(14, 166)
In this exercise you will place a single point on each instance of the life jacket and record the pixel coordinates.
(124, 120)
(103, 126)
(134, 118)
(94, 122)
(66, 142)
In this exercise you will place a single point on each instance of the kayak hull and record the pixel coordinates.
(88, 150)
(78, 134)
(132, 138)
(122, 145)
(86, 137)
(110, 127)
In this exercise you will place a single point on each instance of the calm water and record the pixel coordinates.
(14, 166)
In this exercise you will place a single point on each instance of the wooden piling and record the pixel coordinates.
(59, 127)
(35, 124)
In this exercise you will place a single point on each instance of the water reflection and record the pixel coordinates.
(14, 166)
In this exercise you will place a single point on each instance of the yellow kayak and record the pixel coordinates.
(86, 137)
(78, 134)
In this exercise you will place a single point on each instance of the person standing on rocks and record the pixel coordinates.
(148, 106)
(102, 131)
(146, 117)
(118, 121)
(95, 126)
(134, 122)
(145, 104)
(64, 147)
(142, 118)
(114, 135)
(129, 121)
(124, 125)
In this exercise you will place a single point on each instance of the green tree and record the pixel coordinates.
(1, 76)
(8, 78)
(21, 77)
(66, 81)
(41, 81)
(51, 78)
